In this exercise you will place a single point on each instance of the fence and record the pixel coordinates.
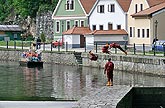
(135, 49)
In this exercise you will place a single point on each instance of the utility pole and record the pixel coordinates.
(156, 27)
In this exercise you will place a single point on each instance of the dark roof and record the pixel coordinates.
(10, 28)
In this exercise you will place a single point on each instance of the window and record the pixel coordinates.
(57, 26)
(15, 36)
(72, 5)
(111, 8)
(76, 23)
(143, 33)
(148, 33)
(136, 7)
(138, 32)
(69, 5)
(101, 27)
(141, 7)
(67, 25)
(94, 27)
(82, 23)
(100, 8)
(110, 26)
(118, 26)
(130, 32)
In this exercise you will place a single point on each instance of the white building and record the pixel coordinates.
(109, 15)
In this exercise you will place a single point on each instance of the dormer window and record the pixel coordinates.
(69, 4)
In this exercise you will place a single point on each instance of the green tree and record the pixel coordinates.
(43, 39)
(6, 7)
(26, 7)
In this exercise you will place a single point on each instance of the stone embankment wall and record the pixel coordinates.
(58, 58)
(131, 63)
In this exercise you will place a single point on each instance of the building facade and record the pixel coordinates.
(109, 15)
(70, 13)
(141, 28)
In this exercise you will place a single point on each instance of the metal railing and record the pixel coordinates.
(134, 49)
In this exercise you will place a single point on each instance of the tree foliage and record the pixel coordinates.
(25, 8)
(43, 38)
(6, 7)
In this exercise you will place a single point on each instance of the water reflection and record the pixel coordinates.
(63, 82)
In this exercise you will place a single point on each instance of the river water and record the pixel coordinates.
(63, 82)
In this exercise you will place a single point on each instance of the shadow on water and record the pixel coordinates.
(60, 82)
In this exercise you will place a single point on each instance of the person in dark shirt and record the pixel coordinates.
(92, 56)
(115, 45)
(108, 70)
(38, 43)
(105, 49)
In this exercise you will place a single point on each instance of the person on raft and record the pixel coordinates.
(92, 56)
(115, 45)
(105, 49)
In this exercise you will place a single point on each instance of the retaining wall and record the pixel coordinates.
(131, 63)
(58, 58)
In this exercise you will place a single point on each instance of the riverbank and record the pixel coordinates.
(130, 63)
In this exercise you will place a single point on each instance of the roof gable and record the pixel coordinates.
(60, 10)
(87, 5)
(124, 4)
(150, 11)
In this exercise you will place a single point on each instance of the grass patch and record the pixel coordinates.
(18, 43)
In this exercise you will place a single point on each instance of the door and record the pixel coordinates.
(82, 41)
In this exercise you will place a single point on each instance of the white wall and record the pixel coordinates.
(68, 39)
(89, 42)
(116, 18)
(75, 39)
(109, 38)
(72, 39)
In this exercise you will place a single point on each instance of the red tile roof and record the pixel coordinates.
(154, 2)
(78, 30)
(124, 4)
(87, 4)
(150, 11)
(107, 32)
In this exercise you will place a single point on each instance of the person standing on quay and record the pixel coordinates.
(38, 43)
(108, 70)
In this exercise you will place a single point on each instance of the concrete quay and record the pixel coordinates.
(129, 63)
(106, 97)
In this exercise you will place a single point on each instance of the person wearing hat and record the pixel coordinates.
(108, 70)
(115, 45)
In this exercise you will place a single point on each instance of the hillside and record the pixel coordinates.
(28, 14)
